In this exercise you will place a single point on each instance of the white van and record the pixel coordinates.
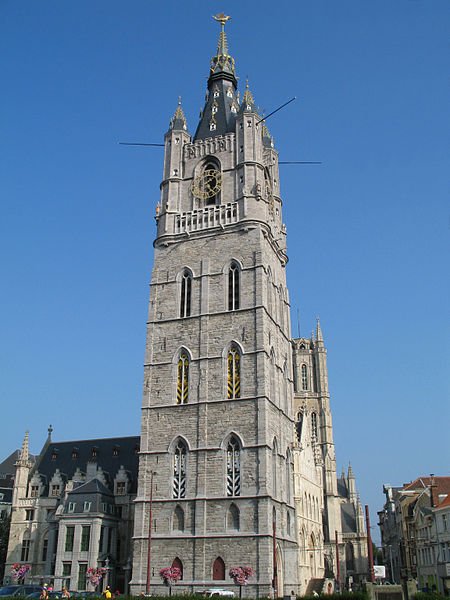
(218, 592)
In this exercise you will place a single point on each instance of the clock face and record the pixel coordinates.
(207, 184)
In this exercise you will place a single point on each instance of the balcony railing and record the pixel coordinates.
(205, 218)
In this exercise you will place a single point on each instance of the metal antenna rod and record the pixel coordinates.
(277, 109)
(138, 144)
(300, 162)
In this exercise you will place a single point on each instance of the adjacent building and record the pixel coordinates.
(415, 537)
(72, 510)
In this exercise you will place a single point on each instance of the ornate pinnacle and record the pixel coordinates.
(178, 120)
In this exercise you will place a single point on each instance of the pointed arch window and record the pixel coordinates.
(233, 468)
(233, 518)
(186, 292)
(179, 470)
(304, 377)
(234, 374)
(314, 425)
(274, 468)
(233, 287)
(183, 379)
(178, 519)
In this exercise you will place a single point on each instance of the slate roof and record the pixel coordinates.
(348, 518)
(5, 495)
(109, 454)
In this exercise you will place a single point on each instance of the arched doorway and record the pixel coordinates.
(177, 563)
(280, 573)
(218, 570)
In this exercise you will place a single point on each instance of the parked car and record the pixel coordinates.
(219, 592)
(55, 595)
(20, 590)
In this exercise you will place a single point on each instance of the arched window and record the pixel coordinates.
(298, 426)
(178, 519)
(274, 467)
(233, 286)
(183, 379)
(185, 297)
(314, 425)
(233, 468)
(272, 377)
(179, 565)
(211, 178)
(349, 557)
(288, 476)
(304, 377)
(218, 570)
(234, 373)
(179, 470)
(233, 518)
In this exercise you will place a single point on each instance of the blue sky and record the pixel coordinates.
(368, 230)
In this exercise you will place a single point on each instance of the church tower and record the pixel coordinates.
(216, 466)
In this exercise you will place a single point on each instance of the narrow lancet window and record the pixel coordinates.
(304, 377)
(233, 287)
(179, 471)
(183, 379)
(185, 299)
(314, 425)
(234, 374)
(233, 468)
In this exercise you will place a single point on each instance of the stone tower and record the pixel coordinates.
(216, 466)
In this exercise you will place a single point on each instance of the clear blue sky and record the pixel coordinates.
(368, 230)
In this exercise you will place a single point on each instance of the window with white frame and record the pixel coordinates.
(179, 470)
(233, 467)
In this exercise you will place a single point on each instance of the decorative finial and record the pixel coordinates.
(221, 18)
(179, 100)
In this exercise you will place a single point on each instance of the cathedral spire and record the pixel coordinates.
(24, 453)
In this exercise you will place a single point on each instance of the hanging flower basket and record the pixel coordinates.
(95, 575)
(19, 571)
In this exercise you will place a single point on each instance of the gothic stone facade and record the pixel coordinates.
(222, 479)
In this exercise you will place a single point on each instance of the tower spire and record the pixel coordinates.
(218, 116)
(319, 335)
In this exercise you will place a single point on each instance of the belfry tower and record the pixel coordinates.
(216, 468)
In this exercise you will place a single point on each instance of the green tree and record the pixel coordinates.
(4, 537)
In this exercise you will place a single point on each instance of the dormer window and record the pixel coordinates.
(214, 109)
(74, 453)
(216, 93)
(116, 451)
(87, 506)
(229, 93)
(121, 488)
(212, 126)
(55, 490)
(94, 452)
(54, 454)
(34, 492)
